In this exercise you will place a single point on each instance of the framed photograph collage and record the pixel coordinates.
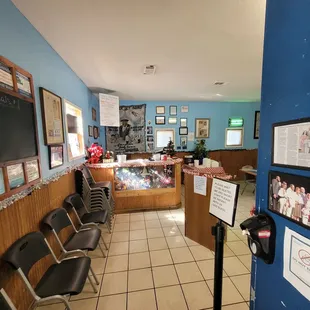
(289, 194)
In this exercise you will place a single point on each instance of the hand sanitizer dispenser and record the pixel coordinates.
(261, 233)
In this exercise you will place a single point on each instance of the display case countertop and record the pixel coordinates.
(136, 163)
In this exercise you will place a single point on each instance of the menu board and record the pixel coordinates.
(291, 143)
(224, 199)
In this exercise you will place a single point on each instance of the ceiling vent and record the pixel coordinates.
(149, 70)
(219, 83)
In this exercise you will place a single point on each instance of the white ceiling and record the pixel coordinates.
(193, 43)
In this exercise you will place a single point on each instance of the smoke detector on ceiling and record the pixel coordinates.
(149, 69)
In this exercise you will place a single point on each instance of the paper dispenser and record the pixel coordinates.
(261, 233)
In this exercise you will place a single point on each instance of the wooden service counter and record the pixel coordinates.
(198, 221)
(142, 184)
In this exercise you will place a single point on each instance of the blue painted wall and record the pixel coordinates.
(218, 112)
(22, 44)
(285, 96)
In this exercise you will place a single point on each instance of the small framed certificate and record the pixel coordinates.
(16, 175)
(160, 110)
(2, 186)
(32, 170)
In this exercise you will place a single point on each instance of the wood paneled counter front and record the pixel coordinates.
(142, 184)
(198, 220)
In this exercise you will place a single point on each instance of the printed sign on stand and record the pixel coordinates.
(224, 199)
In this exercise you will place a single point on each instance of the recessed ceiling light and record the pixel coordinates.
(219, 95)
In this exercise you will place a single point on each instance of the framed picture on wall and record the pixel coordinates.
(289, 197)
(291, 144)
(183, 122)
(183, 131)
(96, 132)
(94, 114)
(183, 142)
(52, 117)
(172, 120)
(202, 128)
(160, 110)
(160, 120)
(256, 124)
(56, 156)
(173, 110)
(90, 131)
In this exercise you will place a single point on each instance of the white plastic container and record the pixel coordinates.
(156, 157)
(121, 158)
(196, 162)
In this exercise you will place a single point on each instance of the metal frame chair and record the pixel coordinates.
(248, 179)
(5, 301)
(31, 248)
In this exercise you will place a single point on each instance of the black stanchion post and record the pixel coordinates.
(219, 232)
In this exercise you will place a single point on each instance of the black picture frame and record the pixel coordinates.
(256, 125)
(157, 118)
(289, 123)
(160, 110)
(281, 205)
(173, 110)
(94, 114)
(183, 145)
(96, 132)
(182, 120)
(55, 149)
(183, 131)
(90, 131)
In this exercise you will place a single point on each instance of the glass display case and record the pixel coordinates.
(147, 177)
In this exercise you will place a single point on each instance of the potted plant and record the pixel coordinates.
(200, 151)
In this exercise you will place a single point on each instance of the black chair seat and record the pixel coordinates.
(101, 184)
(95, 217)
(83, 240)
(68, 277)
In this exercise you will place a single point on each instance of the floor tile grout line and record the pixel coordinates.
(155, 295)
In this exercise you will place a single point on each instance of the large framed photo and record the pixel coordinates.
(289, 196)
(56, 156)
(256, 125)
(52, 117)
(202, 128)
(291, 144)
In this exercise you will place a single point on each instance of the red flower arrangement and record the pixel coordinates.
(95, 152)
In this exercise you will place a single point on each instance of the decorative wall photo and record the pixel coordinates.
(291, 144)
(94, 114)
(289, 196)
(256, 124)
(56, 156)
(173, 110)
(160, 120)
(183, 122)
(150, 138)
(160, 110)
(96, 132)
(183, 142)
(202, 128)
(90, 131)
(183, 131)
(150, 146)
(172, 120)
(149, 130)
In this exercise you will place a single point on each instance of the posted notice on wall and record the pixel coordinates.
(224, 199)
(200, 185)
(109, 110)
(296, 261)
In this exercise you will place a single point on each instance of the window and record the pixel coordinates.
(75, 138)
(163, 136)
(234, 137)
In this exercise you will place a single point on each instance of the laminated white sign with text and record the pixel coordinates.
(109, 110)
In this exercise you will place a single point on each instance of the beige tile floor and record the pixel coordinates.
(152, 265)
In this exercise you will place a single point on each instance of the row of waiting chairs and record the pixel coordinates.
(68, 274)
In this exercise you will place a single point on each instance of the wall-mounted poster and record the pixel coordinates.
(52, 117)
(291, 144)
(130, 136)
(96, 132)
(109, 110)
(256, 124)
(56, 156)
(289, 196)
(16, 175)
(202, 128)
(2, 186)
(32, 170)
(6, 79)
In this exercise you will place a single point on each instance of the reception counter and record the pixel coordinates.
(142, 184)
(198, 221)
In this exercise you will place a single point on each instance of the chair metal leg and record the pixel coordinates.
(101, 250)
(246, 184)
(94, 275)
(92, 284)
(105, 245)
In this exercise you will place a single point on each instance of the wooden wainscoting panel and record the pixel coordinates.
(22, 217)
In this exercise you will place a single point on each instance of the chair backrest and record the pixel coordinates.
(89, 177)
(5, 301)
(247, 167)
(75, 201)
(26, 251)
(57, 220)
